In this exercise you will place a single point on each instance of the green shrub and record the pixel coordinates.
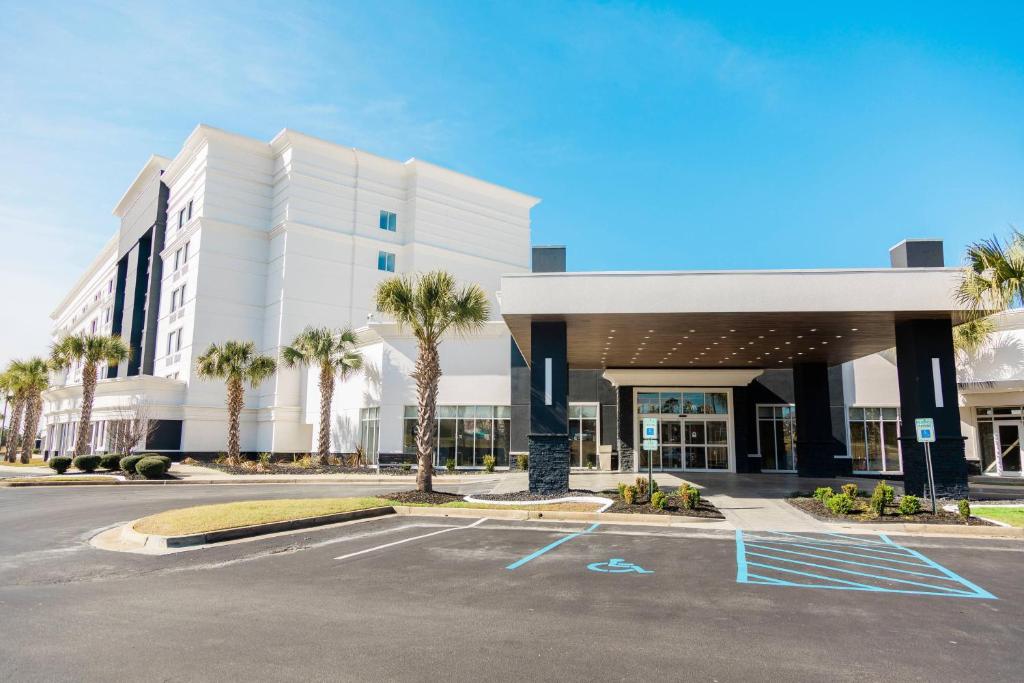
(86, 463)
(654, 486)
(523, 461)
(850, 490)
(659, 500)
(489, 463)
(963, 506)
(129, 462)
(689, 496)
(909, 505)
(590, 463)
(823, 493)
(265, 459)
(60, 463)
(151, 468)
(841, 504)
(165, 458)
(622, 489)
(407, 467)
(882, 496)
(641, 488)
(449, 464)
(111, 461)
(629, 495)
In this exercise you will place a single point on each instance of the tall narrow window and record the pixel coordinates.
(369, 433)
(181, 219)
(386, 261)
(583, 434)
(190, 209)
(874, 439)
(776, 437)
(388, 221)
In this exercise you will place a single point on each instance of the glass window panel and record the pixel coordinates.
(695, 432)
(647, 403)
(718, 457)
(409, 437)
(445, 441)
(717, 432)
(872, 413)
(447, 411)
(889, 414)
(502, 412)
(670, 402)
(788, 452)
(501, 442)
(766, 436)
(574, 411)
(483, 440)
(891, 447)
(1002, 411)
(787, 411)
(589, 411)
(464, 443)
(696, 457)
(984, 411)
(485, 412)
(588, 443)
(643, 457)
(858, 450)
(411, 411)
(575, 449)
(671, 457)
(986, 447)
(671, 431)
(856, 413)
(874, 444)
(465, 411)
(693, 403)
(765, 412)
(716, 403)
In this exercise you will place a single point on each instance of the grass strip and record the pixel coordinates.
(1007, 515)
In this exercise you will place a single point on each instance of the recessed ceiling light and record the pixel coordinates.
(839, 336)
(610, 337)
(799, 353)
(760, 336)
(650, 330)
(824, 342)
(789, 342)
(685, 337)
(611, 330)
(750, 361)
(776, 348)
(715, 343)
(811, 348)
(692, 331)
(702, 353)
(799, 336)
(707, 348)
(771, 330)
(780, 361)
(732, 330)
(853, 329)
(722, 337)
(814, 329)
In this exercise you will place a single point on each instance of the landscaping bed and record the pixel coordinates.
(880, 507)
(673, 506)
(453, 500)
(1014, 516)
(307, 466)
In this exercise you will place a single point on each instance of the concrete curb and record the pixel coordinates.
(131, 536)
(14, 483)
(958, 530)
(555, 515)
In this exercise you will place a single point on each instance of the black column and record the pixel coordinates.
(924, 348)
(626, 416)
(816, 447)
(549, 399)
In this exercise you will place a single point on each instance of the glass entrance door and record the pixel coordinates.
(693, 428)
(1007, 436)
(706, 444)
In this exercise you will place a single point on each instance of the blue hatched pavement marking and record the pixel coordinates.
(966, 588)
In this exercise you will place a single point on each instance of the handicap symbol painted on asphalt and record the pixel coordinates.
(617, 565)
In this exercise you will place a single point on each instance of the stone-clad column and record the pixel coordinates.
(549, 404)
(927, 379)
(816, 445)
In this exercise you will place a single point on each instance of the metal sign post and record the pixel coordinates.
(650, 445)
(925, 427)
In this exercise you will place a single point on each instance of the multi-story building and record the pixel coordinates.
(236, 238)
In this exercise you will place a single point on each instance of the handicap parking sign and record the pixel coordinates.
(925, 427)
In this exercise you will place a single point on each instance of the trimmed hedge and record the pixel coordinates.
(166, 459)
(151, 468)
(111, 461)
(60, 463)
(86, 463)
(129, 462)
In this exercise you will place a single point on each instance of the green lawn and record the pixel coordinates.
(1007, 515)
(36, 462)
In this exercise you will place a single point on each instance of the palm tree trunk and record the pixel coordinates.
(85, 422)
(427, 374)
(236, 400)
(33, 410)
(326, 395)
(14, 432)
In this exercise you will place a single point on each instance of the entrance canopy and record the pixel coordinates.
(726, 319)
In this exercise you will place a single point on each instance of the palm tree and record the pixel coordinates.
(12, 382)
(430, 305)
(333, 352)
(992, 280)
(235, 362)
(35, 378)
(90, 350)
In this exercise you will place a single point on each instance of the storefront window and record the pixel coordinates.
(776, 437)
(874, 439)
(369, 433)
(466, 434)
(583, 434)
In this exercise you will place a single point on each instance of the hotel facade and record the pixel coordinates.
(814, 371)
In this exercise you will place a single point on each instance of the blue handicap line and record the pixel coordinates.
(617, 565)
(551, 546)
(853, 562)
(979, 591)
(833, 551)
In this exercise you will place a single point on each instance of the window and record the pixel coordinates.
(388, 221)
(187, 245)
(177, 298)
(110, 286)
(874, 439)
(776, 437)
(999, 433)
(181, 256)
(190, 209)
(106, 315)
(583, 434)
(386, 261)
(92, 327)
(465, 434)
(685, 403)
(174, 341)
(369, 433)
(181, 219)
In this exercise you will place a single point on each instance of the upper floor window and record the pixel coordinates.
(388, 221)
(92, 327)
(110, 285)
(189, 210)
(181, 256)
(174, 341)
(386, 261)
(181, 219)
(177, 298)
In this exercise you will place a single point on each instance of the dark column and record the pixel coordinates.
(816, 447)
(745, 422)
(924, 348)
(156, 270)
(519, 374)
(627, 449)
(549, 403)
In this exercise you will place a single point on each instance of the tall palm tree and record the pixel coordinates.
(992, 280)
(430, 305)
(91, 350)
(236, 362)
(35, 378)
(12, 381)
(333, 352)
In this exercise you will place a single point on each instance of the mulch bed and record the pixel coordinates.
(432, 498)
(278, 468)
(863, 514)
(526, 495)
(673, 506)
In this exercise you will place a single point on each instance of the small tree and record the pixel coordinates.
(333, 353)
(236, 362)
(131, 427)
(35, 377)
(91, 350)
(430, 305)
(992, 280)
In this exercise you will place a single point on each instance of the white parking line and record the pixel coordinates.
(414, 538)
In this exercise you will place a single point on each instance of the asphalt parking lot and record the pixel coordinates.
(426, 598)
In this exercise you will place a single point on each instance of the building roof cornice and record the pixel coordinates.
(155, 164)
(201, 135)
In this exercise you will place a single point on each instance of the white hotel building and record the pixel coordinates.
(236, 238)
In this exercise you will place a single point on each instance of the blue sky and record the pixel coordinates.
(659, 135)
